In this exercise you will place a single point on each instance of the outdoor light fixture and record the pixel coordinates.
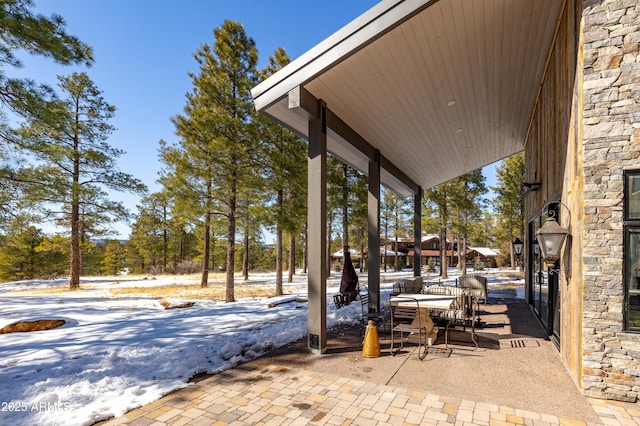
(551, 236)
(517, 247)
(528, 187)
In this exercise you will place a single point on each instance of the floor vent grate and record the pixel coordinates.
(520, 343)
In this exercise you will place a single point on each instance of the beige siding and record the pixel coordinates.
(552, 158)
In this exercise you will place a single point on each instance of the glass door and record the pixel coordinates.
(538, 277)
(544, 292)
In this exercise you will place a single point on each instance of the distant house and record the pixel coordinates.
(338, 257)
(392, 247)
(430, 249)
(487, 255)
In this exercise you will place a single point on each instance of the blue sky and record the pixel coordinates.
(144, 50)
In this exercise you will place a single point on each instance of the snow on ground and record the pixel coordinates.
(117, 353)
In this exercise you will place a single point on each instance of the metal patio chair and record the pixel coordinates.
(376, 317)
(405, 320)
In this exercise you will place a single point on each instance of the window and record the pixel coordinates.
(632, 250)
(632, 194)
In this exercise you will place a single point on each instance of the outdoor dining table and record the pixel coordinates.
(443, 302)
(425, 302)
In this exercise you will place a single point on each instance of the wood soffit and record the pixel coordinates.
(440, 88)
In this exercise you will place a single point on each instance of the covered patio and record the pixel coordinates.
(411, 93)
(500, 383)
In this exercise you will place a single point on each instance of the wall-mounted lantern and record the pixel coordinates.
(518, 245)
(551, 236)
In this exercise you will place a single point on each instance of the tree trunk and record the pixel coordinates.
(83, 237)
(279, 291)
(204, 280)
(231, 246)
(74, 278)
(181, 255)
(292, 258)
(212, 249)
(165, 239)
(305, 262)
(74, 273)
(443, 253)
(245, 257)
(512, 255)
(395, 258)
(463, 256)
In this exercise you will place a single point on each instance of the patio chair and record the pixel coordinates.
(341, 300)
(476, 286)
(462, 314)
(408, 286)
(436, 314)
(405, 319)
(437, 289)
(376, 317)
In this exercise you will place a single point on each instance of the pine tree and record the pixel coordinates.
(467, 202)
(53, 256)
(395, 210)
(114, 260)
(149, 240)
(75, 163)
(508, 201)
(217, 126)
(22, 30)
(347, 194)
(19, 258)
(189, 179)
(360, 214)
(286, 178)
(439, 199)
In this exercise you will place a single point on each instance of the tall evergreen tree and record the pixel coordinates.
(149, 240)
(114, 259)
(438, 199)
(189, 179)
(508, 201)
(23, 30)
(53, 256)
(36, 34)
(467, 202)
(360, 214)
(286, 178)
(218, 117)
(19, 258)
(483, 233)
(395, 209)
(335, 180)
(75, 162)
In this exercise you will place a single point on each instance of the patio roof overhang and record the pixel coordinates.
(435, 88)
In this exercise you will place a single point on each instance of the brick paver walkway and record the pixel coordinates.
(267, 394)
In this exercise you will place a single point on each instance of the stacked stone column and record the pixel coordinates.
(611, 144)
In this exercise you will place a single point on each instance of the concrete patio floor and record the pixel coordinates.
(514, 377)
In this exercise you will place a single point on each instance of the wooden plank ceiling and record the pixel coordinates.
(441, 88)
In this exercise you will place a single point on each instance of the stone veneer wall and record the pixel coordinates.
(611, 144)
